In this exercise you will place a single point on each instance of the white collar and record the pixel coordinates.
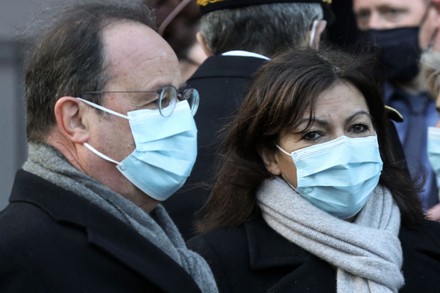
(245, 54)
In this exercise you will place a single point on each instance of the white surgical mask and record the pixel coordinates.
(338, 176)
(166, 149)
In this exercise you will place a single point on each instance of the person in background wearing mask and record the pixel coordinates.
(393, 27)
(111, 136)
(308, 197)
(431, 71)
(228, 33)
(430, 62)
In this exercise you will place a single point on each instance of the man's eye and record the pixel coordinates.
(151, 104)
(166, 101)
(392, 13)
(363, 14)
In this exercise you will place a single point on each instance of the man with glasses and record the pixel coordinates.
(111, 134)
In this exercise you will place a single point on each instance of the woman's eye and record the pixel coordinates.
(312, 135)
(360, 128)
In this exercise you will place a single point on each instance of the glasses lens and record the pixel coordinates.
(192, 96)
(167, 101)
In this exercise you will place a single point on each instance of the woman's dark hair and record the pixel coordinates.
(282, 91)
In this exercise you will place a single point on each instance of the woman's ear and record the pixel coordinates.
(69, 116)
(205, 46)
(270, 160)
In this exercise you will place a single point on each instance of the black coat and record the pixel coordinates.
(222, 82)
(254, 258)
(52, 240)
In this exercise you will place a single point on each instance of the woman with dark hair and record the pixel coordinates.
(309, 196)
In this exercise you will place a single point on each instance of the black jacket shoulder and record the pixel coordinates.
(254, 258)
(52, 240)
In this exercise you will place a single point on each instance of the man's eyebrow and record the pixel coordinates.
(393, 7)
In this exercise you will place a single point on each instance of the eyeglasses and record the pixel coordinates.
(168, 97)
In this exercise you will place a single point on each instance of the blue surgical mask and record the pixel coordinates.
(338, 176)
(434, 150)
(166, 149)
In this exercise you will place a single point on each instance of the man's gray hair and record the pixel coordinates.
(264, 29)
(68, 58)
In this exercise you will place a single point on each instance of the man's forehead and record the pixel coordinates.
(138, 57)
(133, 40)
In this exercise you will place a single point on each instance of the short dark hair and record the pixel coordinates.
(68, 59)
(282, 91)
(264, 29)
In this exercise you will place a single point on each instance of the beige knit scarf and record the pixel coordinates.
(367, 252)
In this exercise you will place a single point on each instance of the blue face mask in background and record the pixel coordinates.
(165, 153)
(338, 176)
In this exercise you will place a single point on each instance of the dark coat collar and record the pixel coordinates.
(270, 251)
(104, 231)
(228, 66)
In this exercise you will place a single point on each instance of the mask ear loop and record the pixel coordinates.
(171, 16)
(290, 184)
(103, 108)
(432, 39)
(282, 150)
(313, 33)
(99, 154)
(435, 32)
(285, 179)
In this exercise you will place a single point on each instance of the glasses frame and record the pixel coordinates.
(189, 94)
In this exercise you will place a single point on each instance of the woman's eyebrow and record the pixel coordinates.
(325, 122)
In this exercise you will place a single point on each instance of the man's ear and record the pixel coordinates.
(205, 46)
(270, 160)
(69, 115)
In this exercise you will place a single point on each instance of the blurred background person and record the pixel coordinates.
(342, 31)
(177, 22)
(430, 62)
(430, 41)
(238, 36)
(392, 28)
(308, 197)
(431, 71)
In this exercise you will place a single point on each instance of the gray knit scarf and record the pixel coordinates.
(157, 227)
(367, 252)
